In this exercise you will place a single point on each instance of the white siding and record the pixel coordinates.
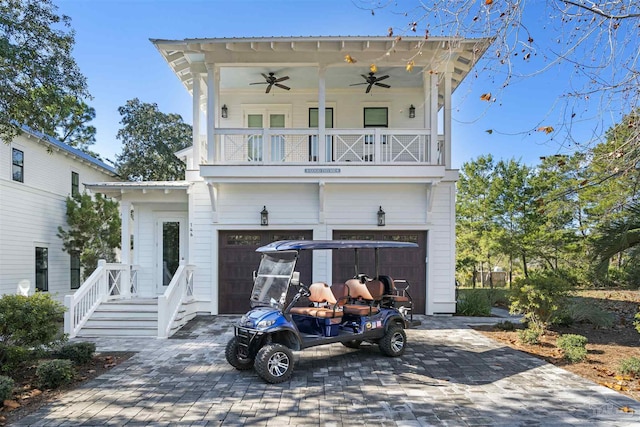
(30, 212)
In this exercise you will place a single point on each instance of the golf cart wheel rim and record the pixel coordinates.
(278, 364)
(397, 342)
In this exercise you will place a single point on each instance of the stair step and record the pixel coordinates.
(133, 315)
(86, 332)
(128, 308)
(121, 322)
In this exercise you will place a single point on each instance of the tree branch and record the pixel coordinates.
(600, 12)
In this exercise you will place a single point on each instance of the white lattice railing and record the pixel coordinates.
(180, 290)
(372, 145)
(107, 282)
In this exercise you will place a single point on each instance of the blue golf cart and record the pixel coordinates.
(374, 309)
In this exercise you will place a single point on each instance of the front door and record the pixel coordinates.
(170, 249)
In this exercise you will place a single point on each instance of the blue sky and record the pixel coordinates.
(114, 52)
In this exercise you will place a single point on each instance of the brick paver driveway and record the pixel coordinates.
(449, 375)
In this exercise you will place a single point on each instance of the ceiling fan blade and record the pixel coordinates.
(382, 85)
(283, 86)
(358, 84)
(269, 88)
(382, 77)
(259, 83)
(369, 88)
(265, 76)
(281, 79)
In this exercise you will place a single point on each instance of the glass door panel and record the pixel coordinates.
(277, 121)
(254, 142)
(170, 250)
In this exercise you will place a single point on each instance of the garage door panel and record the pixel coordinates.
(238, 259)
(408, 264)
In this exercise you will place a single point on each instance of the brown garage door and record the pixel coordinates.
(238, 259)
(408, 264)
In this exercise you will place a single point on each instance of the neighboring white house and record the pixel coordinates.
(37, 174)
(321, 134)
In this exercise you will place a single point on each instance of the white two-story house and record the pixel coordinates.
(37, 174)
(300, 138)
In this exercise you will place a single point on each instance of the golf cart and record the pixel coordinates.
(362, 309)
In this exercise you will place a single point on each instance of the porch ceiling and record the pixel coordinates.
(117, 189)
(242, 60)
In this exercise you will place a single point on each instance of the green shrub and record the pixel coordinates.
(577, 310)
(6, 388)
(636, 322)
(573, 346)
(473, 302)
(13, 357)
(630, 366)
(531, 335)
(78, 352)
(540, 296)
(54, 373)
(505, 326)
(31, 321)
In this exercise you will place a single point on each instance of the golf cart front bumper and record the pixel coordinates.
(249, 341)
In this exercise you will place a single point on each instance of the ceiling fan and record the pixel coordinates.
(371, 80)
(271, 80)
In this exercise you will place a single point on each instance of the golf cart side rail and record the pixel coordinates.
(299, 245)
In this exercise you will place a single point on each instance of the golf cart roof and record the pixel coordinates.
(299, 245)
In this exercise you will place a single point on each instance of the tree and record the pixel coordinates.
(150, 138)
(66, 120)
(35, 61)
(94, 230)
(593, 44)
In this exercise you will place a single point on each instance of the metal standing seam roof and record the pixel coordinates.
(69, 149)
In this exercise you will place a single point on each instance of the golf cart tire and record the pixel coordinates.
(394, 341)
(352, 344)
(274, 363)
(231, 353)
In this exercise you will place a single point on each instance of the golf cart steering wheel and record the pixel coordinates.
(363, 278)
(304, 289)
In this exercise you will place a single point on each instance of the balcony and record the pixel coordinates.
(275, 153)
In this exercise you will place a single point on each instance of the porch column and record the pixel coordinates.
(125, 249)
(197, 156)
(322, 123)
(433, 110)
(211, 113)
(447, 119)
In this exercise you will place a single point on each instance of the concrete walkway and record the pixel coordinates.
(450, 375)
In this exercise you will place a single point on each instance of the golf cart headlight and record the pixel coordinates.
(265, 323)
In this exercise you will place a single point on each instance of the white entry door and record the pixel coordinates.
(170, 248)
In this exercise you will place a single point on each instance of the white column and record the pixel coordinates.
(211, 113)
(434, 119)
(197, 156)
(322, 124)
(125, 248)
(447, 119)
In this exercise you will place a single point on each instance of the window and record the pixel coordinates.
(42, 269)
(75, 270)
(255, 141)
(75, 184)
(376, 117)
(17, 161)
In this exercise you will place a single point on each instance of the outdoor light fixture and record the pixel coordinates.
(264, 216)
(381, 215)
(412, 112)
(225, 111)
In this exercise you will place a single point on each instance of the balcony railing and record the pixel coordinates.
(340, 146)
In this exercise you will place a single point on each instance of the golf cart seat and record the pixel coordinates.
(324, 302)
(360, 302)
(395, 294)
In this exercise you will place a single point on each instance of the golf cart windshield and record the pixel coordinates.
(272, 281)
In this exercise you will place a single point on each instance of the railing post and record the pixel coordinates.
(377, 156)
(69, 326)
(266, 146)
(162, 316)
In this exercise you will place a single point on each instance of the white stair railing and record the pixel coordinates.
(105, 283)
(180, 290)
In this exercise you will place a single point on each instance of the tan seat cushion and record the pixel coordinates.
(359, 309)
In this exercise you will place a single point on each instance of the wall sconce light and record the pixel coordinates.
(381, 219)
(264, 216)
(225, 111)
(412, 112)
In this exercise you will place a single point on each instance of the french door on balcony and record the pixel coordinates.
(313, 139)
(266, 118)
